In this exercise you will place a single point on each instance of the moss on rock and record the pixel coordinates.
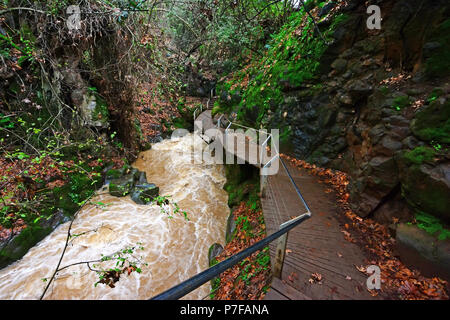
(432, 123)
(438, 64)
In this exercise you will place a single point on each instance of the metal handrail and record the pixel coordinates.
(193, 283)
(211, 95)
(201, 278)
(270, 136)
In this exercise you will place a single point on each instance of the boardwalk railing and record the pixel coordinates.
(281, 236)
(262, 147)
(200, 108)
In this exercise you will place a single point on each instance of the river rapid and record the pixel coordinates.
(174, 249)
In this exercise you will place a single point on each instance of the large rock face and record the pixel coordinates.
(372, 103)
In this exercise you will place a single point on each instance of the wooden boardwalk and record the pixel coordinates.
(234, 143)
(317, 246)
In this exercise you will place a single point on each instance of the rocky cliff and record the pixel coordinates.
(372, 103)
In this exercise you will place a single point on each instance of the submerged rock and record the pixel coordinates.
(126, 181)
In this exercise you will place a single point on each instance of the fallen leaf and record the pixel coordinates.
(361, 269)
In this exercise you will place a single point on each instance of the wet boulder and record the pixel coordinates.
(17, 246)
(213, 252)
(231, 228)
(121, 187)
(144, 193)
(432, 122)
(426, 187)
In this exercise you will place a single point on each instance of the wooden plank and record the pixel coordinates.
(287, 290)
(275, 295)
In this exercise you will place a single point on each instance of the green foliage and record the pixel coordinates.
(222, 32)
(401, 102)
(242, 185)
(164, 201)
(292, 59)
(436, 93)
(123, 261)
(432, 225)
(420, 155)
(245, 225)
(252, 269)
(101, 109)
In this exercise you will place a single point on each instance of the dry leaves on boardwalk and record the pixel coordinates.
(398, 281)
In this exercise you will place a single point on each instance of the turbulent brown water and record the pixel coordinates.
(175, 249)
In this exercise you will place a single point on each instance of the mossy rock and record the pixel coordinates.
(231, 228)
(438, 63)
(144, 193)
(79, 188)
(213, 252)
(425, 187)
(432, 122)
(112, 174)
(421, 250)
(122, 186)
(420, 155)
(19, 245)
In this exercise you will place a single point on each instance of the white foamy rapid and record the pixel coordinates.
(174, 249)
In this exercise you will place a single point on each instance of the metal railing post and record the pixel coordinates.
(280, 253)
(263, 183)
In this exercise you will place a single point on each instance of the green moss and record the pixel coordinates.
(114, 174)
(432, 123)
(216, 110)
(293, 58)
(432, 225)
(438, 64)
(401, 102)
(420, 155)
(101, 112)
(436, 93)
(242, 185)
(21, 243)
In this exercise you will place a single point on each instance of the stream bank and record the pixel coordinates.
(250, 279)
(173, 249)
